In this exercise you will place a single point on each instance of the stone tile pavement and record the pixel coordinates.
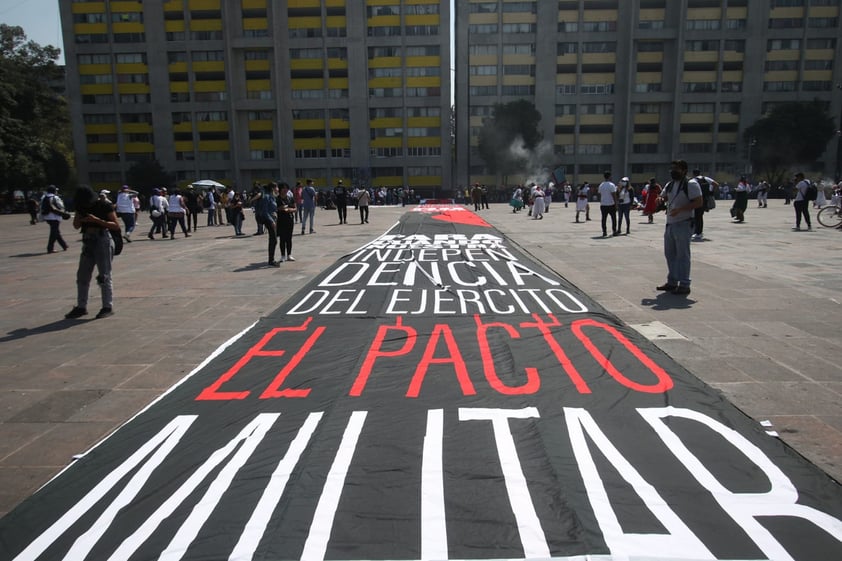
(763, 323)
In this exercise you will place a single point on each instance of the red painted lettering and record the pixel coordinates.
(374, 352)
(664, 383)
(455, 358)
(533, 381)
(212, 392)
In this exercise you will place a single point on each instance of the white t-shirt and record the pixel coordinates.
(606, 193)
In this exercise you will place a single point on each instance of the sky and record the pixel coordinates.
(38, 18)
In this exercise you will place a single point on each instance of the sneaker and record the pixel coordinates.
(283, 258)
(681, 289)
(274, 264)
(76, 312)
(290, 258)
(667, 287)
(796, 229)
(312, 231)
(809, 228)
(104, 313)
(302, 232)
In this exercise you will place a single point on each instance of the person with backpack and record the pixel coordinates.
(681, 197)
(95, 218)
(708, 185)
(52, 212)
(803, 192)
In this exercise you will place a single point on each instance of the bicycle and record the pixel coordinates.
(831, 215)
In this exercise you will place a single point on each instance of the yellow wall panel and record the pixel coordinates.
(652, 57)
(106, 148)
(214, 145)
(258, 65)
(255, 23)
(209, 66)
(261, 144)
(423, 81)
(781, 76)
(423, 141)
(203, 4)
(606, 138)
(183, 127)
(126, 6)
(385, 62)
(183, 146)
(704, 13)
(340, 142)
(596, 119)
(252, 4)
(307, 83)
(309, 143)
(386, 142)
(599, 58)
(385, 83)
(212, 126)
(305, 23)
(174, 26)
(308, 124)
(179, 87)
(645, 138)
(306, 64)
(93, 69)
(88, 8)
(423, 61)
(785, 12)
(260, 125)
(818, 75)
(337, 83)
(210, 86)
(598, 78)
(481, 19)
(258, 85)
(337, 63)
(423, 122)
(600, 15)
(700, 76)
(483, 80)
(131, 68)
(336, 21)
(206, 25)
(133, 88)
(647, 119)
(701, 56)
(518, 80)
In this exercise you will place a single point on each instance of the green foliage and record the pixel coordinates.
(793, 135)
(508, 135)
(144, 176)
(34, 121)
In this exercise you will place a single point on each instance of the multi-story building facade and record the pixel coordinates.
(247, 91)
(628, 85)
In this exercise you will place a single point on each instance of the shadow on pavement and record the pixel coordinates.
(48, 328)
(668, 302)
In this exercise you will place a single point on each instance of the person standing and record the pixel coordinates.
(708, 185)
(476, 197)
(191, 200)
(286, 222)
(266, 213)
(582, 204)
(653, 193)
(52, 212)
(567, 192)
(308, 201)
(608, 204)
(95, 218)
(740, 205)
(298, 194)
(801, 204)
(158, 213)
(363, 200)
(681, 196)
(537, 203)
(210, 205)
(235, 209)
(126, 210)
(340, 198)
(762, 194)
(176, 212)
(625, 196)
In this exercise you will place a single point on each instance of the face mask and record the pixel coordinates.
(676, 175)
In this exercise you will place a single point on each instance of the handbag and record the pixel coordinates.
(155, 213)
(710, 202)
(117, 236)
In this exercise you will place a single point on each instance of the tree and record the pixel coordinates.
(35, 140)
(146, 175)
(793, 134)
(509, 137)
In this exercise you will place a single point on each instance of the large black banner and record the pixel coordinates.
(435, 395)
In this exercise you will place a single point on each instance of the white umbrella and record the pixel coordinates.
(207, 183)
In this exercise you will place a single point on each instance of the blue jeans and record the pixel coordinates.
(128, 219)
(677, 252)
(308, 213)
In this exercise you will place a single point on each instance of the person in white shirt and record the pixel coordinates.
(608, 204)
(55, 207)
(708, 186)
(625, 197)
(126, 210)
(582, 201)
(537, 203)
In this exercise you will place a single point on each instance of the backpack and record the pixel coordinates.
(811, 192)
(47, 204)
